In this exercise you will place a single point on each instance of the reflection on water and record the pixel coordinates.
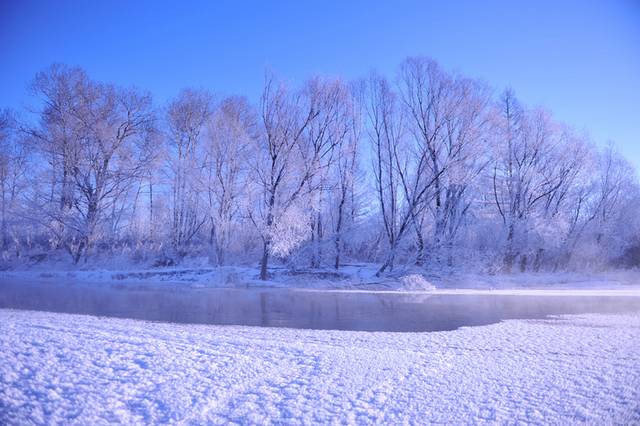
(301, 309)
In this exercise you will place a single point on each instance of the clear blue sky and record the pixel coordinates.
(581, 59)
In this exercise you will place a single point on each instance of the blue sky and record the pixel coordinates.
(581, 59)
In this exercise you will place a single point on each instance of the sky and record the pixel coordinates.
(580, 59)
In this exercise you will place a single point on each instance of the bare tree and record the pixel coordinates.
(13, 171)
(346, 168)
(230, 136)
(92, 135)
(187, 117)
(285, 165)
(455, 173)
(447, 117)
(525, 173)
(402, 183)
(322, 138)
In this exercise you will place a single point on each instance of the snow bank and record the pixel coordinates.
(416, 282)
(57, 368)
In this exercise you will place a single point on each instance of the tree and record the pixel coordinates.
(92, 136)
(346, 168)
(399, 170)
(527, 173)
(322, 140)
(447, 173)
(282, 170)
(230, 136)
(187, 117)
(13, 171)
(447, 117)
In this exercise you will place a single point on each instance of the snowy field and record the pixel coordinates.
(60, 368)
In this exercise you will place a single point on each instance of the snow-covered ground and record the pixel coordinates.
(59, 368)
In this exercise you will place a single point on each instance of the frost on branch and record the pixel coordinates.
(424, 170)
(289, 231)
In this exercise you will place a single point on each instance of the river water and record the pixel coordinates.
(363, 311)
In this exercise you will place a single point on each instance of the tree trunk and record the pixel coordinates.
(214, 251)
(150, 211)
(4, 219)
(388, 263)
(509, 256)
(338, 239)
(523, 263)
(318, 246)
(420, 244)
(264, 261)
(538, 260)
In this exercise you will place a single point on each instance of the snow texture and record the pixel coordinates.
(58, 368)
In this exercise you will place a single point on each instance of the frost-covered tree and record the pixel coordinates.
(613, 189)
(187, 117)
(282, 170)
(402, 182)
(226, 148)
(427, 171)
(93, 137)
(518, 182)
(346, 170)
(13, 173)
(447, 118)
(323, 138)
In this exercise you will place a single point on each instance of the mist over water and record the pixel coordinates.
(359, 311)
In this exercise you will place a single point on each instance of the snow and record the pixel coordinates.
(72, 369)
(359, 276)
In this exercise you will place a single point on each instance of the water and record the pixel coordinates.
(363, 311)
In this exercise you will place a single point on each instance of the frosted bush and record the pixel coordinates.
(416, 282)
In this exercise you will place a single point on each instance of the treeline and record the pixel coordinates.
(430, 169)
